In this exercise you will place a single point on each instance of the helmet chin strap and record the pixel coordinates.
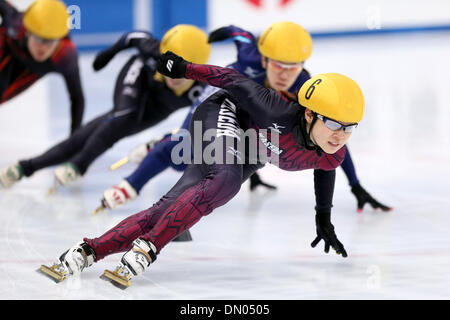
(310, 145)
(303, 136)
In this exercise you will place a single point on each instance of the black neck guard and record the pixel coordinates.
(302, 136)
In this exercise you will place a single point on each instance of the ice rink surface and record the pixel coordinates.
(258, 245)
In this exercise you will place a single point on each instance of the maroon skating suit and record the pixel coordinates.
(203, 187)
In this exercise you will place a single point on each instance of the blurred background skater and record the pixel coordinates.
(32, 44)
(142, 98)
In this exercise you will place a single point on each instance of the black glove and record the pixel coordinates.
(171, 65)
(218, 35)
(363, 197)
(147, 47)
(325, 232)
(255, 181)
(102, 59)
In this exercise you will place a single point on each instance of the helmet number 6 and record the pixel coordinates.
(311, 89)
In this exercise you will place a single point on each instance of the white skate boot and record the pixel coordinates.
(64, 175)
(70, 263)
(119, 195)
(116, 196)
(133, 263)
(10, 175)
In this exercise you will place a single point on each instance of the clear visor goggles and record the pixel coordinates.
(335, 125)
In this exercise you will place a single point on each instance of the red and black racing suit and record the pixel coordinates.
(203, 187)
(18, 69)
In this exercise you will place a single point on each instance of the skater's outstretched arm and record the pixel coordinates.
(324, 189)
(67, 66)
(146, 44)
(244, 40)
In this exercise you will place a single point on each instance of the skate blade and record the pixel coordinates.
(51, 273)
(53, 188)
(118, 164)
(99, 209)
(116, 279)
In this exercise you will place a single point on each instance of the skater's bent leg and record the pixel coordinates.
(201, 189)
(120, 237)
(219, 186)
(104, 137)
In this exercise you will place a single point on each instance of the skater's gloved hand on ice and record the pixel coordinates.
(363, 197)
(325, 232)
(172, 65)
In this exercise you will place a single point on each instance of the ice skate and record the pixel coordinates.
(133, 263)
(71, 263)
(118, 164)
(10, 175)
(100, 208)
(64, 175)
(120, 277)
(117, 196)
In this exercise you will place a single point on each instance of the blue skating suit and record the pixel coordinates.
(248, 63)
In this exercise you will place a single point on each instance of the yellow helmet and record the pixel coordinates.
(334, 96)
(47, 19)
(187, 41)
(286, 42)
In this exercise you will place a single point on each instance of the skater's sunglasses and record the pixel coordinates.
(289, 67)
(335, 126)
(43, 41)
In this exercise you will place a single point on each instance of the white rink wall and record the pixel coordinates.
(329, 15)
(21, 4)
